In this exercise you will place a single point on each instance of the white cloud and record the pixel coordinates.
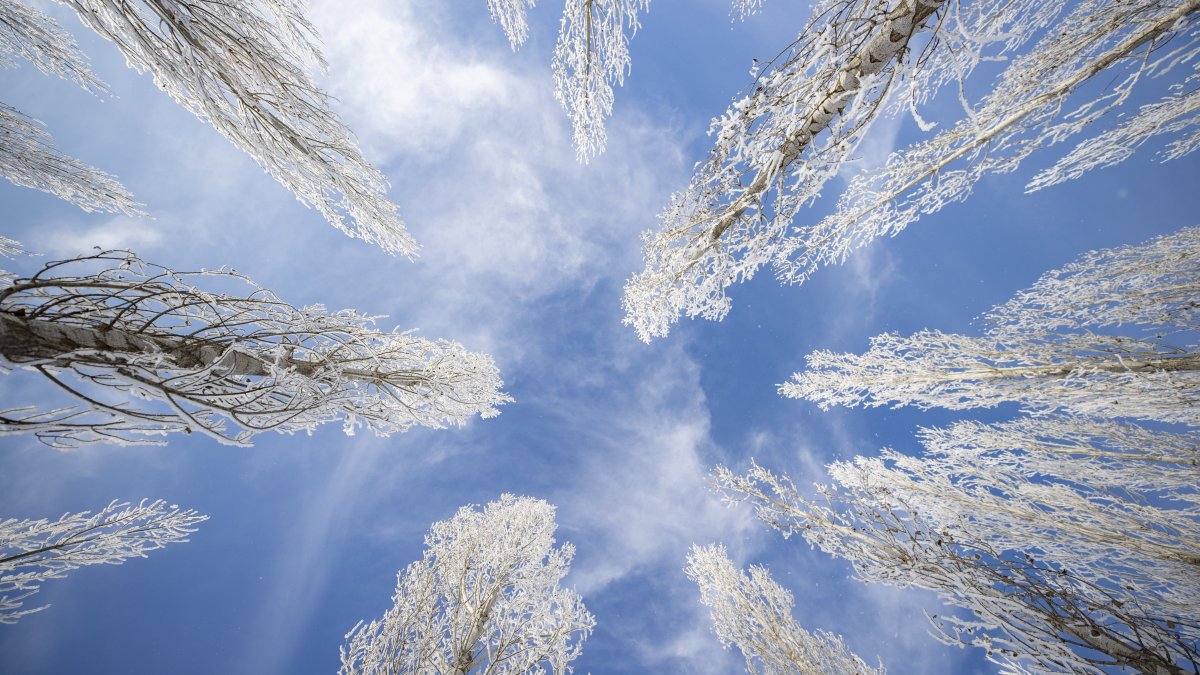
(408, 85)
(642, 496)
(65, 239)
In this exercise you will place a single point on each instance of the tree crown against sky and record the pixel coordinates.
(1071, 538)
(34, 551)
(753, 613)
(1033, 561)
(243, 68)
(1044, 349)
(807, 111)
(149, 352)
(485, 598)
(590, 57)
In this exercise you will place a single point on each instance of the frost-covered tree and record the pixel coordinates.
(1063, 567)
(33, 551)
(28, 156)
(800, 121)
(754, 613)
(1045, 349)
(591, 56)
(485, 598)
(242, 67)
(149, 352)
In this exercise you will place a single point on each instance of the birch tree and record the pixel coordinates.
(1045, 349)
(150, 352)
(1045, 595)
(34, 551)
(802, 118)
(29, 157)
(485, 598)
(754, 613)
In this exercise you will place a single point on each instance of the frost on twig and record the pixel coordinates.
(510, 14)
(1171, 117)
(33, 551)
(591, 56)
(144, 351)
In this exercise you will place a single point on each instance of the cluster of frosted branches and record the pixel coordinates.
(484, 598)
(1070, 510)
(1084, 373)
(1127, 40)
(743, 9)
(150, 353)
(510, 14)
(807, 111)
(28, 156)
(1115, 455)
(32, 551)
(1171, 117)
(795, 128)
(1155, 285)
(1046, 595)
(1042, 350)
(592, 54)
(241, 67)
(34, 36)
(754, 613)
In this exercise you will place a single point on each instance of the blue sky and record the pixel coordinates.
(524, 256)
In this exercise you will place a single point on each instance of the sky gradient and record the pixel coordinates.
(524, 256)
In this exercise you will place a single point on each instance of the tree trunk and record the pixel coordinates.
(25, 340)
(884, 47)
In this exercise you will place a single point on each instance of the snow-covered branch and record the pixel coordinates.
(592, 55)
(243, 68)
(33, 551)
(151, 353)
(754, 613)
(29, 158)
(1044, 349)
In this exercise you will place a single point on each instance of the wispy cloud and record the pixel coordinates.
(65, 240)
(303, 567)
